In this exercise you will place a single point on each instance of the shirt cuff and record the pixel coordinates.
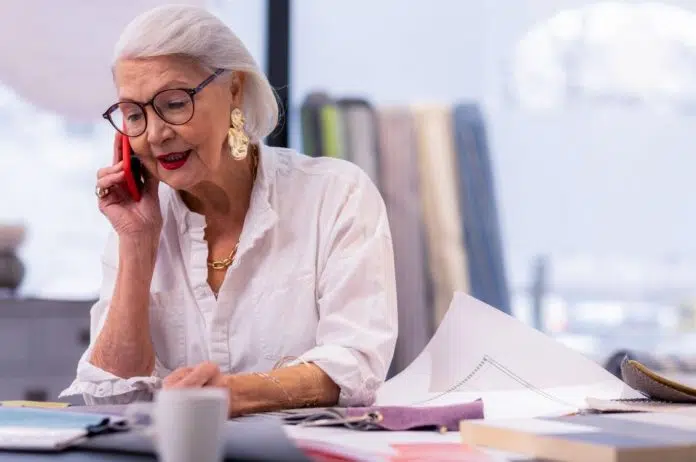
(98, 386)
(358, 384)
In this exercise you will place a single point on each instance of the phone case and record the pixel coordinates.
(134, 171)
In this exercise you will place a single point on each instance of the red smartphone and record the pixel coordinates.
(134, 171)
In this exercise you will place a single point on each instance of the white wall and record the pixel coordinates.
(602, 182)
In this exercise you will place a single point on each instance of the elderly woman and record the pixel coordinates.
(243, 266)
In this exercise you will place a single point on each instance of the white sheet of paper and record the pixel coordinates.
(481, 352)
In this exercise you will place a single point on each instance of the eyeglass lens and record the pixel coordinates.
(173, 106)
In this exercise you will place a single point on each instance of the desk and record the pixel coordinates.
(255, 438)
(74, 456)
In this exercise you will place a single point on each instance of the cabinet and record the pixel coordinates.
(40, 344)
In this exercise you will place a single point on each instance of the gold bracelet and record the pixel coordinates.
(281, 362)
(313, 402)
(317, 390)
(280, 385)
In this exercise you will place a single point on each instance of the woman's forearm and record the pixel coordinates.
(305, 385)
(124, 346)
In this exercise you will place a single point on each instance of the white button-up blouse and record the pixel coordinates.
(313, 279)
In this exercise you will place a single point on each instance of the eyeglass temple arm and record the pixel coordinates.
(208, 80)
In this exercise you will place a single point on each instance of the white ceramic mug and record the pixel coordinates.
(187, 423)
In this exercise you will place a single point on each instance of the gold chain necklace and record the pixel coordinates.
(227, 262)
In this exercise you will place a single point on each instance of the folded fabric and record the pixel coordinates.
(393, 418)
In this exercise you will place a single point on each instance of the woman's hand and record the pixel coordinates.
(206, 374)
(128, 217)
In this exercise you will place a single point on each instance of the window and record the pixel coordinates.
(48, 170)
(603, 98)
(609, 53)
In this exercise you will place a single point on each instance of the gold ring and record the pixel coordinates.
(101, 192)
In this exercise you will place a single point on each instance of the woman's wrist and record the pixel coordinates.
(249, 394)
(287, 388)
(238, 402)
(140, 249)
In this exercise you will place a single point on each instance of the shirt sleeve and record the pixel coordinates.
(356, 296)
(96, 385)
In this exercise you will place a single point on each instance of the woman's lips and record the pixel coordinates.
(174, 160)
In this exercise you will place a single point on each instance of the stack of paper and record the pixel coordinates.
(481, 352)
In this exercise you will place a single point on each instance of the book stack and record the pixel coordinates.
(635, 437)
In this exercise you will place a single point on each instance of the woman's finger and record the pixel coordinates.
(176, 376)
(116, 195)
(110, 169)
(200, 375)
(111, 179)
(220, 380)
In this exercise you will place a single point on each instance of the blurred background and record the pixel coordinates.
(534, 153)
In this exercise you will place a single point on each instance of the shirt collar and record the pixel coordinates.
(260, 216)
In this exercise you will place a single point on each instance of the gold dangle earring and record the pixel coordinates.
(236, 137)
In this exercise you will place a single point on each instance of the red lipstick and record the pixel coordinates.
(174, 160)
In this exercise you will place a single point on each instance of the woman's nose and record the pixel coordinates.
(158, 131)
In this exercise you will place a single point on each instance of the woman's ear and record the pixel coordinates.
(237, 88)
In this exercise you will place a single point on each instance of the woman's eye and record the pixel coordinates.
(174, 105)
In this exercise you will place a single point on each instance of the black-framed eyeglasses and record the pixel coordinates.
(175, 106)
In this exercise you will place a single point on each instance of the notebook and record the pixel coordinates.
(33, 429)
(655, 386)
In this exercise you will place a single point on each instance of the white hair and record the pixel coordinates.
(194, 32)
